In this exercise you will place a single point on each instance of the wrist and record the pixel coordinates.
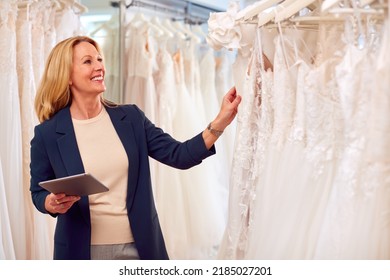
(214, 130)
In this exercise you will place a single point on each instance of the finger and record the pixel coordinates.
(61, 208)
(56, 208)
(236, 101)
(56, 199)
(231, 94)
(71, 199)
(58, 196)
(66, 206)
(232, 90)
(53, 202)
(67, 199)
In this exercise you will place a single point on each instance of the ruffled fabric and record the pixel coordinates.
(222, 29)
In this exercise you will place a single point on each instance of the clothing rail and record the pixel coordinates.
(189, 12)
(176, 3)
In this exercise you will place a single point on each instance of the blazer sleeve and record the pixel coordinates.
(164, 148)
(40, 170)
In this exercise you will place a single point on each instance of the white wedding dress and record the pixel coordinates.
(356, 225)
(168, 191)
(11, 139)
(310, 173)
(27, 90)
(6, 243)
(219, 164)
(199, 187)
(291, 186)
(235, 235)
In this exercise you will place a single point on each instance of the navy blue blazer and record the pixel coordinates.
(55, 154)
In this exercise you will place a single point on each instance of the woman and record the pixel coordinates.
(81, 132)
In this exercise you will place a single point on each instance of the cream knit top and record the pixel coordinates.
(104, 156)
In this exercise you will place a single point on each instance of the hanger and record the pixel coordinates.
(110, 24)
(314, 6)
(138, 21)
(80, 9)
(196, 37)
(327, 4)
(157, 22)
(187, 31)
(268, 15)
(25, 3)
(56, 4)
(363, 3)
(198, 30)
(167, 23)
(315, 18)
(75, 5)
(255, 9)
(96, 30)
(291, 7)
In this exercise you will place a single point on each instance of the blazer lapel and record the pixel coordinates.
(67, 144)
(124, 127)
(69, 151)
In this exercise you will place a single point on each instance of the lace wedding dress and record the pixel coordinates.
(356, 225)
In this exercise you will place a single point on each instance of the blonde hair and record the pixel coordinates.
(53, 93)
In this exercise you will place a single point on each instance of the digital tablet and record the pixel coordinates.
(80, 184)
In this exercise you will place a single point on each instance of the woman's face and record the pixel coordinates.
(88, 71)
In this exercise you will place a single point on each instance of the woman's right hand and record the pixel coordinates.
(60, 203)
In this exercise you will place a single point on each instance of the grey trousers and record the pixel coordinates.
(126, 251)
